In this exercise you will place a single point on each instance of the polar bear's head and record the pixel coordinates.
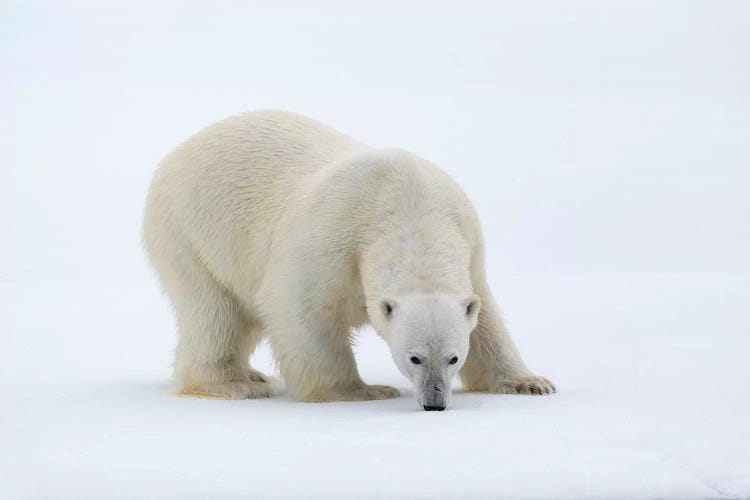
(429, 339)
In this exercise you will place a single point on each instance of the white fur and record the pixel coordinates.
(269, 224)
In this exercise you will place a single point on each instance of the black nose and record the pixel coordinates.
(434, 408)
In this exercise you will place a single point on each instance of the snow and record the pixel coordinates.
(605, 146)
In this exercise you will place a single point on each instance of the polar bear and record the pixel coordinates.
(271, 225)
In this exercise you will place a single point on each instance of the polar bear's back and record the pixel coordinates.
(260, 147)
(232, 180)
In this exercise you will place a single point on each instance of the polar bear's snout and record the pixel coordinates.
(434, 400)
(435, 392)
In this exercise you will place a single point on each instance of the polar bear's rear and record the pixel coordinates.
(269, 224)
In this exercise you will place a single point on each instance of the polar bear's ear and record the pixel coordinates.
(388, 307)
(471, 306)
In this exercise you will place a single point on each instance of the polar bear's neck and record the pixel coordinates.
(412, 221)
(419, 258)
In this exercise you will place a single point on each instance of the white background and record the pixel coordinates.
(606, 146)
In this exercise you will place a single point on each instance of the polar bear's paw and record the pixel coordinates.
(257, 376)
(235, 389)
(538, 386)
(366, 393)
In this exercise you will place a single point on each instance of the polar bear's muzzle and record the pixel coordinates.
(435, 393)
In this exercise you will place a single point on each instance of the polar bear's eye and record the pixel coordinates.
(416, 360)
(453, 360)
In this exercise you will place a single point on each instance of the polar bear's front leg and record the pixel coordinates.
(494, 363)
(316, 361)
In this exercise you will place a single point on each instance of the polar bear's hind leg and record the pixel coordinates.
(215, 337)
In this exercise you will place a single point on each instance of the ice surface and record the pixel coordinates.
(605, 147)
(652, 374)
